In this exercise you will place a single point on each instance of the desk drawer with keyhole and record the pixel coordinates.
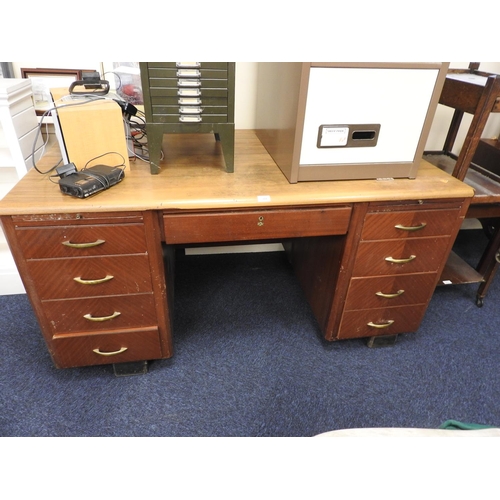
(234, 226)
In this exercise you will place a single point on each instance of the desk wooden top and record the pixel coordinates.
(193, 177)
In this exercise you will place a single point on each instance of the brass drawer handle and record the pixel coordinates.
(83, 245)
(113, 353)
(410, 228)
(400, 261)
(381, 325)
(78, 279)
(101, 318)
(390, 295)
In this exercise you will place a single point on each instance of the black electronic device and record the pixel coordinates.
(89, 181)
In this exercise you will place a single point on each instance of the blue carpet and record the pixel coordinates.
(249, 361)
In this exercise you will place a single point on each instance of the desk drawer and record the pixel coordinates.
(389, 291)
(417, 255)
(382, 321)
(412, 224)
(255, 225)
(116, 275)
(101, 313)
(80, 241)
(119, 347)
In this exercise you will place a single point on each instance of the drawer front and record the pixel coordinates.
(382, 321)
(116, 275)
(162, 96)
(389, 291)
(414, 224)
(416, 255)
(79, 350)
(202, 65)
(76, 241)
(190, 118)
(101, 313)
(168, 75)
(258, 225)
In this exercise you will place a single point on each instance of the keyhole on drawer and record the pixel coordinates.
(261, 221)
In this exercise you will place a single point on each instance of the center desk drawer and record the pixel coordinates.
(203, 227)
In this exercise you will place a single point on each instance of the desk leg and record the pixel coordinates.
(128, 369)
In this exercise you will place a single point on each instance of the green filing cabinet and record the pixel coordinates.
(189, 98)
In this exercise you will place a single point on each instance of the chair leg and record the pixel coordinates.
(488, 266)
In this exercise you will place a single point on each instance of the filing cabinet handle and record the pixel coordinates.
(400, 261)
(188, 64)
(93, 282)
(113, 353)
(390, 295)
(410, 228)
(101, 318)
(190, 119)
(83, 245)
(381, 325)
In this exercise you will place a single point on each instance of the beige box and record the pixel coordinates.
(90, 132)
(333, 121)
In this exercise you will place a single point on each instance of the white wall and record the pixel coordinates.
(246, 91)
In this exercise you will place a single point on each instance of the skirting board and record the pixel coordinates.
(267, 247)
(10, 283)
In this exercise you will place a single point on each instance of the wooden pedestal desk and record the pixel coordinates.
(99, 271)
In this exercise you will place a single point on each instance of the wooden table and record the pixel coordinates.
(99, 271)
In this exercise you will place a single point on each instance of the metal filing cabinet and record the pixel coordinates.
(332, 121)
(190, 98)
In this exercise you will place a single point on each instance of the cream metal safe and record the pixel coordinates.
(333, 121)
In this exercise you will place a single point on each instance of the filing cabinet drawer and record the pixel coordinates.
(381, 321)
(75, 241)
(412, 224)
(255, 225)
(160, 95)
(116, 275)
(389, 291)
(104, 348)
(174, 73)
(101, 313)
(205, 118)
(411, 255)
(213, 65)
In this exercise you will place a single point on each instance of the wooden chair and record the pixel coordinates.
(469, 91)
(478, 163)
